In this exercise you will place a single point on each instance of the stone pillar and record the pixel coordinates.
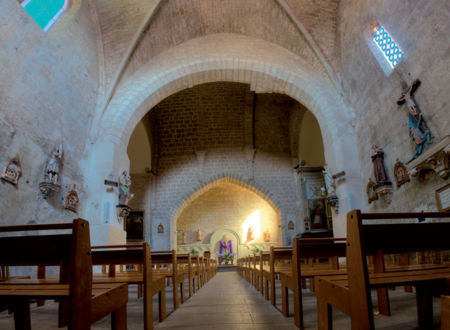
(104, 160)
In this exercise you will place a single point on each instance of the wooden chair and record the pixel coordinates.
(351, 293)
(138, 255)
(306, 254)
(185, 267)
(86, 302)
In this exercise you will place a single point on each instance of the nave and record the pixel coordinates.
(228, 301)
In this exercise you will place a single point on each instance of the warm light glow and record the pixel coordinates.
(253, 222)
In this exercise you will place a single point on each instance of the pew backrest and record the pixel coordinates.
(71, 251)
(366, 239)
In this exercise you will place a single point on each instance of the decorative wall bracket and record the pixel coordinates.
(385, 191)
(123, 210)
(47, 188)
(435, 159)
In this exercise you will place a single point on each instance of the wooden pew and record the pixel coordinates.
(167, 265)
(140, 256)
(305, 251)
(185, 266)
(264, 263)
(351, 293)
(195, 259)
(277, 258)
(72, 252)
(445, 312)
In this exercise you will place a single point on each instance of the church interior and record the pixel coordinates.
(196, 164)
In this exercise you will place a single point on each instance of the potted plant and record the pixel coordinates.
(228, 258)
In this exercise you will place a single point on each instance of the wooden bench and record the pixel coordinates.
(167, 265)
(305, 254)
(140, 256)
(277, 263)
(351, 293)
(86, 302)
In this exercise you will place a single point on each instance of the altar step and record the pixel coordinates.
(226, 268)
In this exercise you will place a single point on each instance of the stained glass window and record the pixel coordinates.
(45, 12)
(387, 45)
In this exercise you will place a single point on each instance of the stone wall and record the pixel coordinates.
(48, 91)
(421, 30)
(205, 134)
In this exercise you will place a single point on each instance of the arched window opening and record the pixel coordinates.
(45, 12)
(385, 49)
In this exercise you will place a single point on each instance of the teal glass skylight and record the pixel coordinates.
(45, 12)
(387, 45)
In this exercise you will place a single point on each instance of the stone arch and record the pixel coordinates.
(265, 66)
(214, 182)
(223, 57)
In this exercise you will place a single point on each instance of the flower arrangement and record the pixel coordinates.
(226, 257)
(194, 252)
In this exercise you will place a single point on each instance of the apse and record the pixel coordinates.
(231, 210)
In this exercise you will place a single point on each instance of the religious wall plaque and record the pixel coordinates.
(401, 175)
(12, 171)
(443, 198)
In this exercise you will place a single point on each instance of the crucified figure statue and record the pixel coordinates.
(418, 128)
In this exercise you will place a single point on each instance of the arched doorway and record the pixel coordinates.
(224, 208)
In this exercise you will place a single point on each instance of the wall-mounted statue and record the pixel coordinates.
(379, 171)
(72, 200)
(401, 175)
(124, 188)
(51, 172)
(250, 236)
(330, 182)
(418, 129)
(199, 235)
(53, 165)
(266, 235)
(12, 171)
(160, 229)
(123, 210)
(383, 187)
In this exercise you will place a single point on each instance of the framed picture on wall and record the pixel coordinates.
(135, 225)
(443, 198)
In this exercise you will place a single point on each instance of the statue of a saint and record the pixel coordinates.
(124, 188)
(318, 216)
(330, 183)
(250, 235)
(199, 235)
(52, 168)
(267, 236)
(379, 170)
(225, 246)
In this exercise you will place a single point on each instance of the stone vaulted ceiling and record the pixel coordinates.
(135, 31)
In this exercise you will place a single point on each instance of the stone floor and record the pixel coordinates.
(230, 302)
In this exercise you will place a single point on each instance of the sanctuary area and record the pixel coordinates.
(233, 164)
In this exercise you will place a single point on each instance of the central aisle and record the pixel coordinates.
(227, 301)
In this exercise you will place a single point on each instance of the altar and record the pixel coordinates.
(239, 249)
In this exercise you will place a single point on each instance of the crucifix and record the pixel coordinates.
(418, 129)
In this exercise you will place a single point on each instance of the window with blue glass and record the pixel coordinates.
(387, 45)
(45, 12)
